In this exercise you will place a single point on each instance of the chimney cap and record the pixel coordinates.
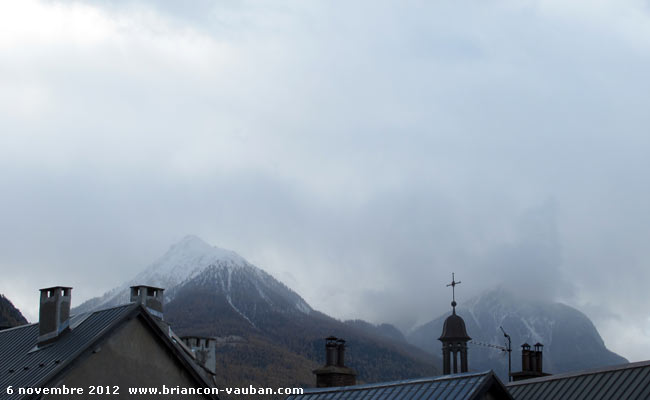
(55, 287)
(53, 313)
(147, 286)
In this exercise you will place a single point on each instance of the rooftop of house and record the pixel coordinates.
(627, 381)
(26, 364)
(467, 386)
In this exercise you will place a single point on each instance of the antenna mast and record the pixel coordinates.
(505, 349)
(509, 349)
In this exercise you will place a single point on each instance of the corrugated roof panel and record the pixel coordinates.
(573, 387)
(560, 388)
(616, 383)
(439, 390)
(387, 393)
(519, 391)
(401, 392)
(629, 381)
(429, 391)
(600, 381)
(422, 388)
(645, 393)
(371, 393)
(641, 378)
(354, 396)
(450, 390)
(326, 396)
(643, 382)
(472, 387)
(580, 386)
(29, 368)
(456, 387)
(540, 394)
(336, 396)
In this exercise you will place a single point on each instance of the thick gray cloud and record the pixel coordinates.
(360, 152)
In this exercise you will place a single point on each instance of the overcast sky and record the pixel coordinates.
(359, 151)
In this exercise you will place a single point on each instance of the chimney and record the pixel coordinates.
(538, 357)
(340, 347)
(334, 372)
(525, 357)
(150, 297)
(531, 363)
(54, 313)
(204, 350)
(331, 351)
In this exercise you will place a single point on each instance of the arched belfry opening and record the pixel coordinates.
(454, 338)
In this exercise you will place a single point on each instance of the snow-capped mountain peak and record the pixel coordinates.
(192, 261)
(186, 259)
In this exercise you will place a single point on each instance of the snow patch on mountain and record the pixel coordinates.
(193, 258)
(571, 341)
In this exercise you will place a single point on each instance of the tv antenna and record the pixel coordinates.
(506, 349)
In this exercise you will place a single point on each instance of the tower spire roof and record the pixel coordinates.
(454, 337)
(454, 326)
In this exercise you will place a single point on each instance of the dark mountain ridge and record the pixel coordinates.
(10, 316)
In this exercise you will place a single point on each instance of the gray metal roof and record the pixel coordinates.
(447, 387)
(22, 364)
(628, 381)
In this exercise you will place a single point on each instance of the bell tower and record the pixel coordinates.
(454, 338)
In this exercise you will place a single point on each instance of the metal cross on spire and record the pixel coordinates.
(453, 291)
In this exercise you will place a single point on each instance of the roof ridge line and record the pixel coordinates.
(591, 371)
(438, 378)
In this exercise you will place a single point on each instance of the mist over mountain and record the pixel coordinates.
(269, 335)
(262, 323)
(571, 341)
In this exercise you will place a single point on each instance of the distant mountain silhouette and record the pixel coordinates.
(10, 316)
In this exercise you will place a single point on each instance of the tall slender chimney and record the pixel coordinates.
(538, 358)
(150, 297)
(331, 353)
(340, 347)
(525, 357)
(54, 313)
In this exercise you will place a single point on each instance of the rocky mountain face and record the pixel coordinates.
(10, 316)
(271, 336)
(571, 341)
